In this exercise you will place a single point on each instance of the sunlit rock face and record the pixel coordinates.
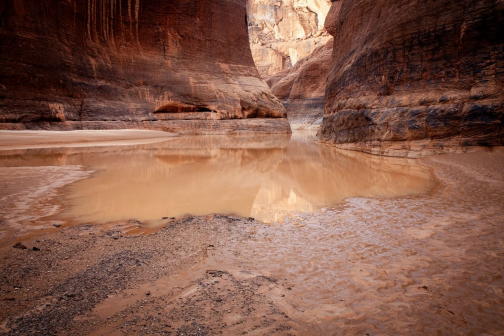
(415, 77)
(282, 32)
(176, 65)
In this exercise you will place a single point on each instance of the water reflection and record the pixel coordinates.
(268, 178)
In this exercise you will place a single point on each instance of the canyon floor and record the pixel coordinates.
(430, 263)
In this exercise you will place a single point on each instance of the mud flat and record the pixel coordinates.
(408, 265)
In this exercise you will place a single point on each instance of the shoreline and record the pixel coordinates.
(410, 149)
(26, 139)
(259, 126)
(367, 266)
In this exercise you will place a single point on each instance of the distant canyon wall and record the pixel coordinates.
(290, 48)
(302, 88)
(282, 32)
(175, 65)
(410, 77)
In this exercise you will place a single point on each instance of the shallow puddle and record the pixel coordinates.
(267, 178)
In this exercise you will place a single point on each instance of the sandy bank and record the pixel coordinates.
(10, 140)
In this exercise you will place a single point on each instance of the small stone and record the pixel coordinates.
(57, 225)
(35, 248)
(19, 246)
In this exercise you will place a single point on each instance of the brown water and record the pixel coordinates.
(268, 179)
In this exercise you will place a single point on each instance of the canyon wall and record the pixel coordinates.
(282, 32)
(173, 65)
(302, 88)
(410, 77)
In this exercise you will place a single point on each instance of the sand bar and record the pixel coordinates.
(10, 140)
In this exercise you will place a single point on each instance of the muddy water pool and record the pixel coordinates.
(268, 178)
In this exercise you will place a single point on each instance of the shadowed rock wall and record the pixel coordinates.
(177, 65)
(302, 88)
(415, 76)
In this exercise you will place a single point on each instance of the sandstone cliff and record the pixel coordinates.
(175, 65)
(302, 88)
(428, 74)
(282, 32)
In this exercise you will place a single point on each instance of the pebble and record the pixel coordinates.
(19, 246)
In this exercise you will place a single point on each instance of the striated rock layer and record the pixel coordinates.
(282, 32)
(411, 77)
(176, 65)
(302, 88)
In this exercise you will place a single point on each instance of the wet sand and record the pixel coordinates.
(28, 198)
(430, 264)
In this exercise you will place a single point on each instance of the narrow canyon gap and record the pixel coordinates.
(292, 51)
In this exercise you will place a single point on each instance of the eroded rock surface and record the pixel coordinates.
(302, 88)
(169, 65)
(286, 31)
(428, 74)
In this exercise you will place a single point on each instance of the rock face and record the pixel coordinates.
(415, 76)
(282, 32)
(302, 88)
(176, 65)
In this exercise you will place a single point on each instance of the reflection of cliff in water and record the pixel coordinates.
(266, 178)
(313, 176)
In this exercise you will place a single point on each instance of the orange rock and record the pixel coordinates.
(117, 63)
